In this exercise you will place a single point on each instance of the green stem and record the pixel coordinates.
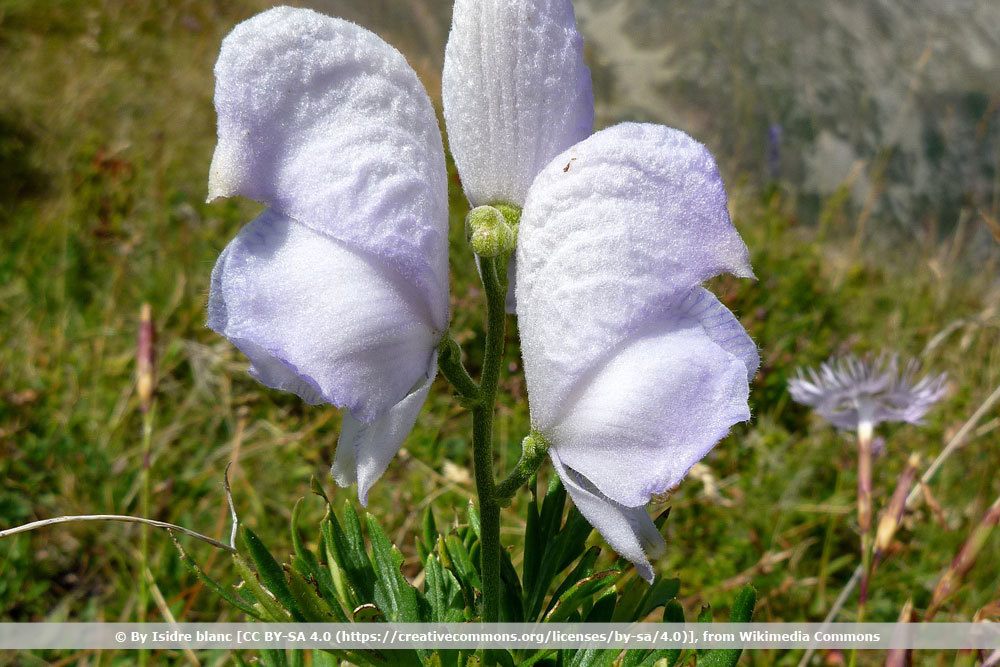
(450, 363)
(482, 440)
(147, 439)
(533, 451)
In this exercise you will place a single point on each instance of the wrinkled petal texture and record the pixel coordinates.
(365, 450)
(327, 124)
(634, 370)
(614, 233)
(318, 319)
(516, 93)
(629, 530)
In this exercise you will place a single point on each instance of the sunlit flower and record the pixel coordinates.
(338, 291)
(634, 371)
(861, 392)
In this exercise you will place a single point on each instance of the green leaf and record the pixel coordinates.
(474, 521)
(511, 594)
(741, 612)
(265, 600)
(579, 593)
(443, 593)
(462, 563)
(659, 593)
(673, 612)
(222, 591)
(583, 569)
(271, 574)
(393, 593)
(533, 545)
(313, 607)
(603, 609)
(560, 551)
(348, 548)
(307, 564)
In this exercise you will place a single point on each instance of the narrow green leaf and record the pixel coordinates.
(443, 593)
(462, 562)
(268, 604)
(393, 593)
(533, 546)
(581, 592)
(429, 529)
(474, 521)
(271, 574)
(741, 612)
(583, 569)
(222, 591)
(511, 595)
(314, 609)
(347, 546)
(673, 612)
(603, 609)
(661, 591)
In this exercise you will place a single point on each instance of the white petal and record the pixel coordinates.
(516, 93)
(614, 232)
(365, 450)
(319, 318)
(628, 530)
(637, 424)
(720, 325)
(327, 124)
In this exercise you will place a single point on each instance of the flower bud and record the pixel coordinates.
(489, 232)
(145, 359)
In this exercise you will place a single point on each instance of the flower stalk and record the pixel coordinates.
(482, 439)
(865, 433)
(145, 370)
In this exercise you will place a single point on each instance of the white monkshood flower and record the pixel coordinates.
(634, 371)
(338, 291)
(851, 391)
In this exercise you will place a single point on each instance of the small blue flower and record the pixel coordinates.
(850, 391)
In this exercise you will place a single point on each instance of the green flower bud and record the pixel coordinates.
(490, 232)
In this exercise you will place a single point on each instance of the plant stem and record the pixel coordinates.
(533, 451)
(147, 438)
(124, 518)
(482, 439)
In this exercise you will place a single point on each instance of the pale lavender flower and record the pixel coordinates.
(338, 291)
(852, 392)
(634, 371)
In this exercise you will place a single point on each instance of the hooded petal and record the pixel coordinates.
(516, 93)
(319, 318)
(639, 422)
(629, 530)
(614, 233)
(328, 125)
(365, 450)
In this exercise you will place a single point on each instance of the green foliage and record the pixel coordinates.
(591, 585)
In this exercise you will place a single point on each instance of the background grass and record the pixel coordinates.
(106, 131)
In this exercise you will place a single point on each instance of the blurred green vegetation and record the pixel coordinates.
(106, 131)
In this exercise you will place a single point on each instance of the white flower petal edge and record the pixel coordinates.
(327, 124)
(634, 371)
(629, 530)
(365, 450)
(516, 93)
